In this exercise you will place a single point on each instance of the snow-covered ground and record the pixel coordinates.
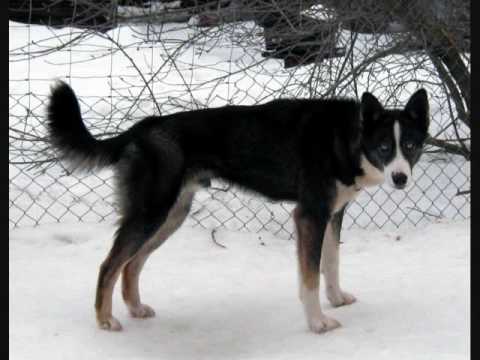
(241, 302)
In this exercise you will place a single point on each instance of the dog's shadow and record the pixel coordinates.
(238, 329)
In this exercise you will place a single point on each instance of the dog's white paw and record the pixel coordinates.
(322, 323)
(110, 323)
(141, 311)
(340, 298)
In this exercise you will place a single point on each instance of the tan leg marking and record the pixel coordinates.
(130, 287)
(131, 272)
(109, 273)
(309, 276)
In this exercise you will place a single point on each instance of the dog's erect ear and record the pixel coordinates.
(371, 107)
(417, 106)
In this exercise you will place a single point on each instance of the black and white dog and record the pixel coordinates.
(317, 153)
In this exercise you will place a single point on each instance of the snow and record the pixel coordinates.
(241, 302)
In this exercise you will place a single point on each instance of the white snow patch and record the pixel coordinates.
(412, 287)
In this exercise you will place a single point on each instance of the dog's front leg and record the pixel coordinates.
(329, 264)
(310, 233)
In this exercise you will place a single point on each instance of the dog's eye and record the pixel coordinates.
(384, 148)
(409, 146)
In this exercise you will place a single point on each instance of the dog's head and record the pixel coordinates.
(393, 138)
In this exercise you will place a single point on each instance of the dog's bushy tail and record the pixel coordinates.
(70, 137)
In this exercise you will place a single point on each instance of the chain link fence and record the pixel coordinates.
(137, 62)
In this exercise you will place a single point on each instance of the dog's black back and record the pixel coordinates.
(262, 148)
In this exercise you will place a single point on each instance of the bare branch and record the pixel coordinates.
(214, 231)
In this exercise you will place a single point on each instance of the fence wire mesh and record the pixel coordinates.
(130, 60)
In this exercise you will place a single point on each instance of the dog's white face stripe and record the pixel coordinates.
(399, 164)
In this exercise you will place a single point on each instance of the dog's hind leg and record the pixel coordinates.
(131, 237)
(329, 264)
(131, 272)
(128, 241)
(149, 183)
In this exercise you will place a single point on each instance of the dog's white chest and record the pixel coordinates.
(344, 195)
(371, 177)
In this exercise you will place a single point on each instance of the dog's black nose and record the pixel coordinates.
(399, 179)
